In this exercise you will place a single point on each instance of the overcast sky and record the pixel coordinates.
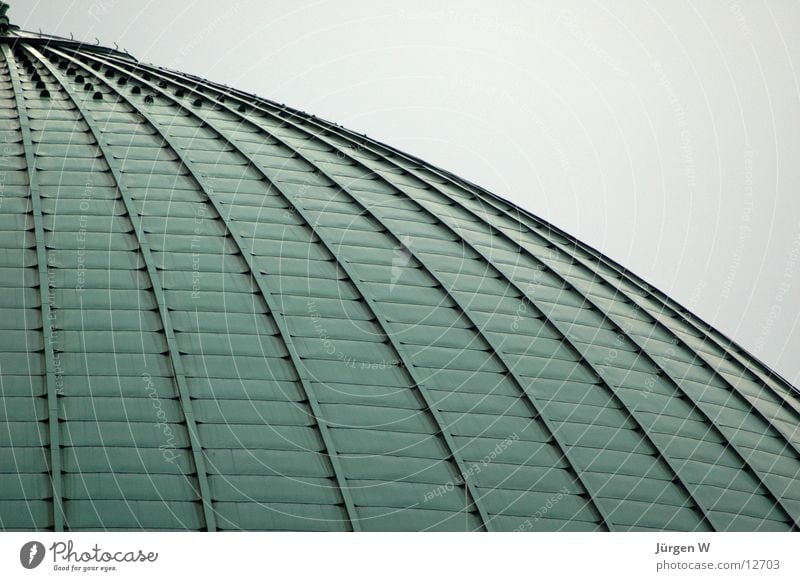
(665, 134)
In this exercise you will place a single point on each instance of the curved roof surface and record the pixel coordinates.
(221, 313)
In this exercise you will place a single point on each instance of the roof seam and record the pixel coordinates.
(685, 314)
(608, 317)
(574, 348)
(47, 317)
(679, 309)
(657, 320)
(765, 397)
(158, 292)
(479, 332)
(376, 312)
(581, 357)
(277, 316)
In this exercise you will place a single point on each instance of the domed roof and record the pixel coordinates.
(222, 313)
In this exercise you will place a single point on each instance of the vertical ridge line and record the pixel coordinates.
(793, 521)
(485, 520)
(47, 318)
(158, 292)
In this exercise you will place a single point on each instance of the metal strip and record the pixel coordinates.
(580, 358)
(527, 396)
(47, 320)
(673, 306)
(158, 291)
(794, 521)
(534, 405)
(733, 349)
(670, 304)
(664, 299)
(353, 279)
(272, 304)
(633, 341)
(616, 326)
(567, 341)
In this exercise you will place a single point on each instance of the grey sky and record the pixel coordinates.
(666, 135)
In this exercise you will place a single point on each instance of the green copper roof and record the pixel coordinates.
(221, 313)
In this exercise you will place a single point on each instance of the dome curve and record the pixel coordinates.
(255, 319)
